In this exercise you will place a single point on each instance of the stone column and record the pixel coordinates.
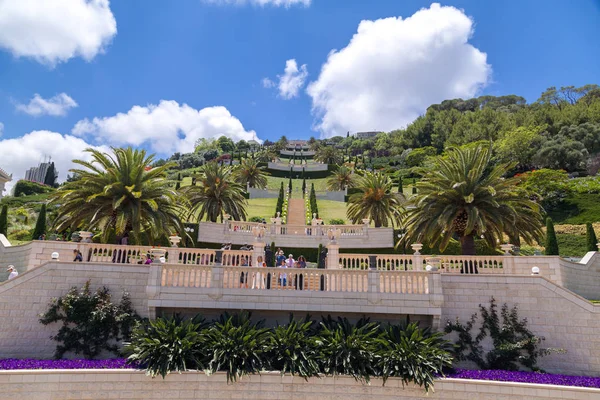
(153, 286)
(259, 251)
(333, 256)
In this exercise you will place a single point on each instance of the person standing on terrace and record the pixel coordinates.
(13, 272)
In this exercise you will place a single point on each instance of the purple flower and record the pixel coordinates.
(116, 363)
(527, 377)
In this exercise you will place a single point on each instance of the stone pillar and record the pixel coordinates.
(259, 251)
(153, 286)
(333, 256)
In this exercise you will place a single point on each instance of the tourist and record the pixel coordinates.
(42, 237)
(78, 256)
(258, 281)
(12, 272)
(299, 279)
(283, 276)
(146, 259)
(280, 257)
(291, 263)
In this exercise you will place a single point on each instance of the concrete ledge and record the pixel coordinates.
(128, 384)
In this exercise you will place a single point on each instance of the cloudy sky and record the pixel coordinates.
(161, 74)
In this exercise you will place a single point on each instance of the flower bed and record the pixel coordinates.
(116, 363)
(527, 377)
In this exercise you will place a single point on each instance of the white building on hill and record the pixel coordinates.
(4, 178)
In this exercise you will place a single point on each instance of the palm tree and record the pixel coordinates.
(375, 200)
(249, 173)
(119, 192)
(328, 155)
(341, 179)
(216, 194)
(464, 195)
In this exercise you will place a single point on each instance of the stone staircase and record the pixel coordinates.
(296, 212)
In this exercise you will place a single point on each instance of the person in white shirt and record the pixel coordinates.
(13, 272)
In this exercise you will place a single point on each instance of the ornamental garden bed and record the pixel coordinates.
(488, 375)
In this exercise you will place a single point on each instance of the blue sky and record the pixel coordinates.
(160, 74)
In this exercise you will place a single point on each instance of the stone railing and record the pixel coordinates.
(252, 278)
(409, 262)
(296, 230)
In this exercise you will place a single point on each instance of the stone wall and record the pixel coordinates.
(23, 299)
(566, 320)
(123, 384)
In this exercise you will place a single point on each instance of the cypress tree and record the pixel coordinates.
(319, 256)
(177, 185)
(4, 220)
(414, 186)
(40, 225)
(290, 184)
(592, 242)
(551, 242)
(303, 184)
(279, 206)
(313, 200)
(179, 176)
(400, 188)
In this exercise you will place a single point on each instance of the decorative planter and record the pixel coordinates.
(416, 248)
(158, 253)
(506, 248)
(86, 237)
(434, 262)
(175, 240)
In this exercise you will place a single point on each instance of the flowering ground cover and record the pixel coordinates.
(116, 363)
(527, 377)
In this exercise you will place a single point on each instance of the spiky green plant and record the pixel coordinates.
(341, 179)
(249, 173)
(374, 200)
(119, 193)
(292, 349)
(217, 194)
(464, 195)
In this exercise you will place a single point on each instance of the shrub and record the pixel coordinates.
(551, 242)
(168, 344)
(337, 221)
(40, 225)
(514, 344)
(90, 321)
(4, 220)
(21, 235)
(347, 349)
(237, 345)
(28, 188)
(255, 219)
(592, 242)
(292, 350)
(412, 354)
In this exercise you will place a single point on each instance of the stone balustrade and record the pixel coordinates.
(351, 236)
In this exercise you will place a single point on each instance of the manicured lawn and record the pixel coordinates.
(329, 209)
(264, 208)
(275, 183)
(578, 209)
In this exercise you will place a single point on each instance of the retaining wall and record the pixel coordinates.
(124, 384)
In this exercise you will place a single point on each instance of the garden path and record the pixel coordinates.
(296, 212)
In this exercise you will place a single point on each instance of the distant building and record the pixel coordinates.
(37, 174)
(297, 144)
(4, 178)
(366, 135)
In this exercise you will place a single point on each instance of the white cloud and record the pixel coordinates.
(22, 153)
(393, 69)
(267, 83)
(58, 105)
(55, 31)
(262, 3)
(166, 127)
(292, 80)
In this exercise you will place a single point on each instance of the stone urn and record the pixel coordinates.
(157, 254)
(434, 262)
(86, 237)
(506, 248)
(366, 221)
(175, 240)
(417, 248)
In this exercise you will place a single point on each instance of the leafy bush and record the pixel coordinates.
(21, 235)
(347, 349)
(292, 350)
(550, 185)
(551, 242)
(515, 346)
(255, 219)
(336, 221)
(237, 345)
(91, 322)
(412, 354)
(168, 344)
(28, 188)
